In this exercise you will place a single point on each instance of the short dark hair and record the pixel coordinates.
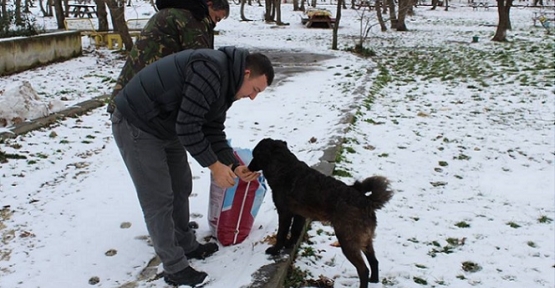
(259, 64)
(218, 5)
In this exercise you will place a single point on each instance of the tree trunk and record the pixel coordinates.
(336, 25)
(446, 5)
(277, 7)
(26, 7)
(102, 15)
(268, 14)
(434, 5)
(4, 10)
(17, 12)
(503, 10)
(403, 8)
(392, 14)
(410, 10)
(243, 18)
(46, 7)
(117, 10)
(296, 6)
(59, 12)
(383, 27)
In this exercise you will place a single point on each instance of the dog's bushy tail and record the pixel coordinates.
(379, 186)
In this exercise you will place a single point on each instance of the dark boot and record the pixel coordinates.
(187, 276)
(203, 251)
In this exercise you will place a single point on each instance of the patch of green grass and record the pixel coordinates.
(308, 251)
(5, 156)
(419, 280)
(545, 219)
(532, 244)
(388, 281)
(462, 157)
(413, 240)
(42, 155)
(471, 267)
(341, 173)
(462, 224)
(296, 277)
(513, 225)
(350, 150)
(441, 282)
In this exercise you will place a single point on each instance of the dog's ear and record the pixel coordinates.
(282, 142)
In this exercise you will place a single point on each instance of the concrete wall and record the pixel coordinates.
(22, 53)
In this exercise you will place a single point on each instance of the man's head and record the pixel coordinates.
(218, 10)
(259, 74)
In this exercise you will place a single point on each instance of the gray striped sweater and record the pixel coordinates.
(187, 95)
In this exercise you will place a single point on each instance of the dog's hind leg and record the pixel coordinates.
(296, 230)
(284, 223)
(349, 246)
(371, 257)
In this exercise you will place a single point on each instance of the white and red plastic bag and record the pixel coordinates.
(231, 211)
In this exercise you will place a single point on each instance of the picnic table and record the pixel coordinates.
(82, 10)
(318, 18)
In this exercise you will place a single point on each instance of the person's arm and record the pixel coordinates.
(201, 90)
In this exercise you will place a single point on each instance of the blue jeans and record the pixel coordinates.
(163, 181)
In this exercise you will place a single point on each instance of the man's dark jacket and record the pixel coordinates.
(187, 95)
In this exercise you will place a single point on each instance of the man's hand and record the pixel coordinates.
(245, 174)
(223, 175)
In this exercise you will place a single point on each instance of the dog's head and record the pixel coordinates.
(265, 151)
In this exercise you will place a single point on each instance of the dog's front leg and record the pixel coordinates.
(284, 223)
(296, 230)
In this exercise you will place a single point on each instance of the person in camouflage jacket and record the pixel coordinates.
(179, 25)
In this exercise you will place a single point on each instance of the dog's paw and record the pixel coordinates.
(273, 250)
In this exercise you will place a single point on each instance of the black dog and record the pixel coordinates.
(301, 192)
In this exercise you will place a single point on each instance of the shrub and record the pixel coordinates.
(10, 28)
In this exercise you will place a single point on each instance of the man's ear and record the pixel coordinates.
(247, 73)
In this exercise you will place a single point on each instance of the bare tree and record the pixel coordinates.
(277, 7)
(28, 4)
(269, 14)
(46, 7)
(296, 6)
(117, 13)
(379, 4)
(336, 25)
(59, 12)
(392, 14)
(18, 19)
(102, 14)
(243, 18)
(4, 9)
(503, 10)
(434, 4)
(404, 6)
